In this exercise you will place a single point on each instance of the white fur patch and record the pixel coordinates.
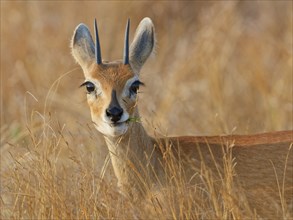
(108, 129)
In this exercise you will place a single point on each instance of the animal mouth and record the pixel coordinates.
(117, 124)
(129, 120)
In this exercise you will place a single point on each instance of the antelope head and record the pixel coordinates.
(112, 86)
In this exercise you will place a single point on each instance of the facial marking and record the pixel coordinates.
(112, 109)
(113, 74)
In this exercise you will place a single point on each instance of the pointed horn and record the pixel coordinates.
(126, 44)
(98, 48)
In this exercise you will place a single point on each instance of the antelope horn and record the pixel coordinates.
(98, 48)
(126, 44)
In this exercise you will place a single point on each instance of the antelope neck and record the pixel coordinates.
(129, 149)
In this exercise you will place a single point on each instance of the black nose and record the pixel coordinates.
(114, 113)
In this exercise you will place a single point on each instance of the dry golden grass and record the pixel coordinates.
(222, 67)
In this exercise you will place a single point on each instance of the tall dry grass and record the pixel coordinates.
(220, 67)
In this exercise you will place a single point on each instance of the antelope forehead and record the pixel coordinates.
(112, 76)
(114, 82)
(115, 78)
(110, 83)
(116, 75)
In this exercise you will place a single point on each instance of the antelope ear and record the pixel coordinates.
(82, 47)
(142, 45)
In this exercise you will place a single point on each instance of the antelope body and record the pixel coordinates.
(263, 162)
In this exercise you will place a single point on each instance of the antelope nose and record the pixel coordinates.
(114, 113)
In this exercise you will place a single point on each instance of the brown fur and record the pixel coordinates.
(261, 164)
(110, 76)
(261, 167)
(245, 140)
(113, 74)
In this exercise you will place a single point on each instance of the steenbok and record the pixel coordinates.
(262, 163)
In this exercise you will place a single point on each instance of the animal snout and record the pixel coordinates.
(114, 113)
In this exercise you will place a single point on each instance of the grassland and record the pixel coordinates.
(219, 68)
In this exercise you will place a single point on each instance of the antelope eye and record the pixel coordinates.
(90, 87)
(135, 87)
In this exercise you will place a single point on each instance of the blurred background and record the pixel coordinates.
(219, 68)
